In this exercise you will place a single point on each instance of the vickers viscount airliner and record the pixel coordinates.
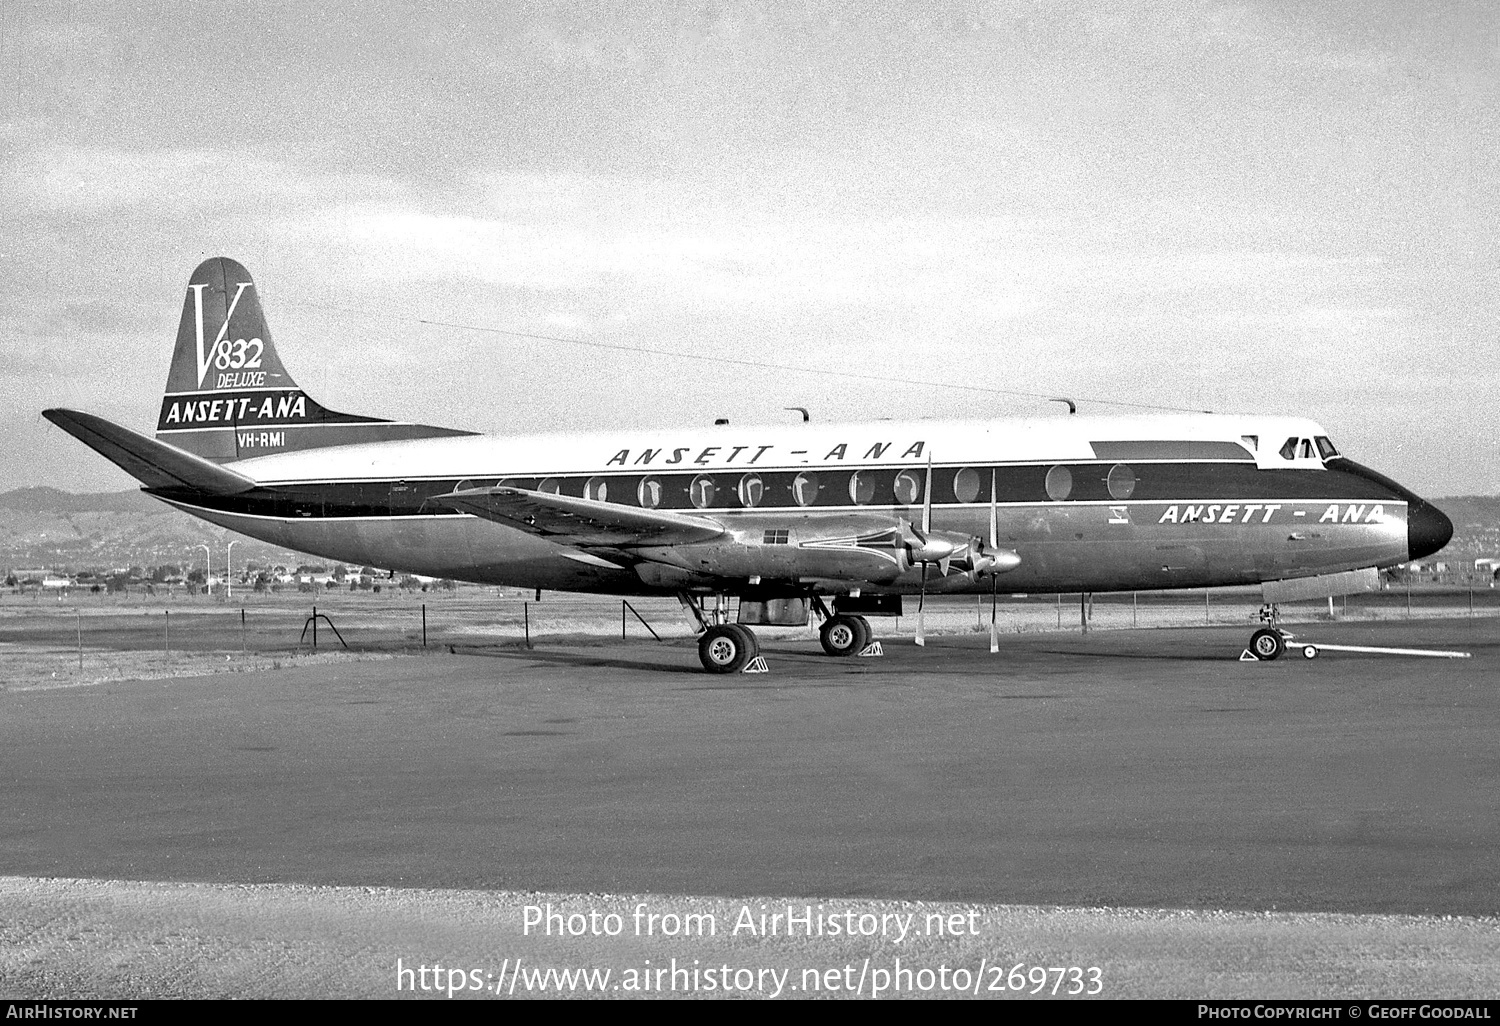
(838, 521)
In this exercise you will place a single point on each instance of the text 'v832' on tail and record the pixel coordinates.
(229, 397)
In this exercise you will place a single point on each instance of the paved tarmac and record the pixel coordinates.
(1146, 769)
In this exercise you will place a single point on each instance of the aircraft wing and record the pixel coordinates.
(577, 521)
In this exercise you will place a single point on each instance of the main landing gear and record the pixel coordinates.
(724, 647)
(727, 648)
(845, 635)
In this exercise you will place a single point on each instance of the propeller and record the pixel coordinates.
(994, 578)
(927, 540)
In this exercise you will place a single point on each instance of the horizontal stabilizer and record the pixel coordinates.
(154, 464)
(581, 521)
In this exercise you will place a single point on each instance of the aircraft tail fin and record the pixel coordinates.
(154, 464)
(228, 395)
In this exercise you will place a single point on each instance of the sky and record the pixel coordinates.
(925, 210)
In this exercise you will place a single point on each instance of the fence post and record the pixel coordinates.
(315, 628)
(166, 633)
(526, 612)
(424, 624)
(243, 649)
(1083, 611)
(622, 619)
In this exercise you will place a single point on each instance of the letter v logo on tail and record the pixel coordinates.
(221, 341)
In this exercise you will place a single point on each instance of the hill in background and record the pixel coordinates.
(45, 528)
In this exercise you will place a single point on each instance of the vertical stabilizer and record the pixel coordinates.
(228, 395)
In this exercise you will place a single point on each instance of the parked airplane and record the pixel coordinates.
(784, 518)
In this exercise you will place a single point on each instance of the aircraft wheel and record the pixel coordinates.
(869, 632)
(1309, 651)
(723, 648)
(752, 642)
(844, 635)
(1267, 644)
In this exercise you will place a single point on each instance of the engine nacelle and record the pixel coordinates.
(854, 548)
(877, 550)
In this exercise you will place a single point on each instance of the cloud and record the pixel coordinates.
(73, 179)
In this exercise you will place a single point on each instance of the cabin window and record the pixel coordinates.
(908, 488)
(1325, 447)
(1289, 450)
(1121, 481)
(1059, 483)
(966, 485)
(597, 488)
(701, 491)
(648, 492)
(861, 488)
(805, 489)
(751, 490)
(550, 484)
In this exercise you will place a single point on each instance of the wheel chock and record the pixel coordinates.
(872, 649)
(756, 665)
(1248, 656)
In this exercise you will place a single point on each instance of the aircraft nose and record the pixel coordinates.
(1427, 529)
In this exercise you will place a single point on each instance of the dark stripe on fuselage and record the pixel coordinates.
(951, 485)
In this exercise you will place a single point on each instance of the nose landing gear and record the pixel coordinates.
(1270, 641)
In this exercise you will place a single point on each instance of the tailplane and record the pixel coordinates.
(228, 395)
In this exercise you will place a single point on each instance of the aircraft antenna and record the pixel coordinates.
(759, 365)
(1072, 406)
(799, 409)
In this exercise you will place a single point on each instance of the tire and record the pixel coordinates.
(844, 635)
(1266, 644)
(752, 643)
(869, 634)
(1309, 651)
(722, 649)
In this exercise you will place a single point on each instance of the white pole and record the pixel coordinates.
(208, 557)
(229, 569)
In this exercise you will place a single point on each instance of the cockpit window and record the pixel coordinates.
(1325, 447)
(1289, 450)
(1307, 449)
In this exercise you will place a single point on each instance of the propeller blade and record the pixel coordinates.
(994, 578)
(922, 601)
(927, 498)
(994, 515)
(994, 630)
